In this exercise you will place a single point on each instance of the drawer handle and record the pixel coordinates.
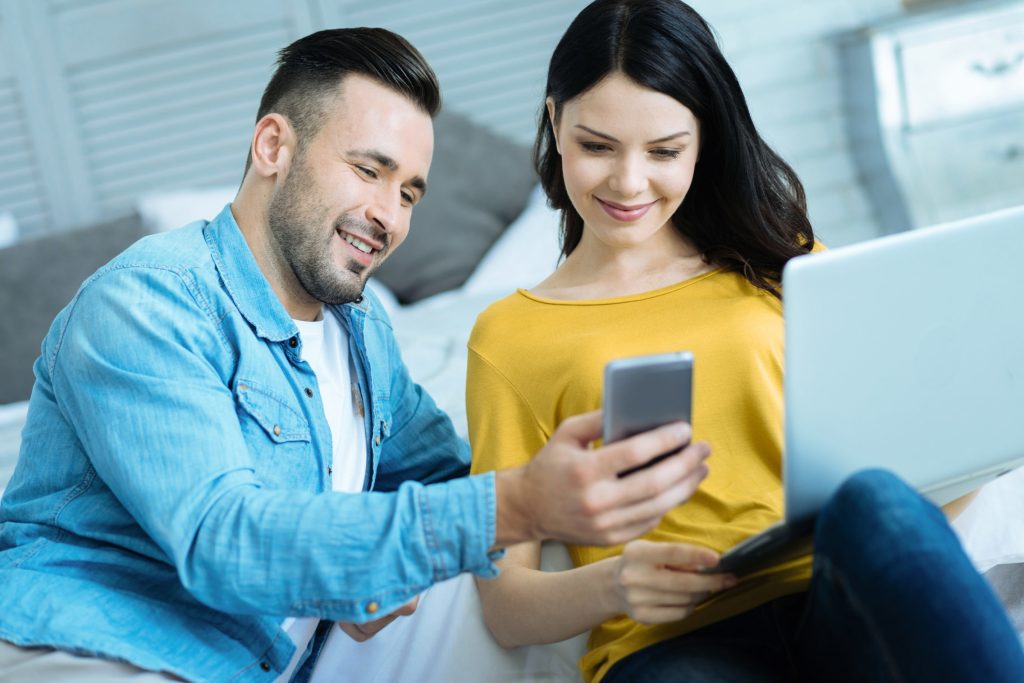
(1008, 154)
(999, 68)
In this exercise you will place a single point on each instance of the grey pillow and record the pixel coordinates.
(38, 277)
(479, 182)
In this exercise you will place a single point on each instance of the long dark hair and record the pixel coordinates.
(746, 210)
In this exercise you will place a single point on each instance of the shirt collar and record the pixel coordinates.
(243, 279)
(246, 284)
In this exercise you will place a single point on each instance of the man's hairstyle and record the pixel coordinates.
(310, 69)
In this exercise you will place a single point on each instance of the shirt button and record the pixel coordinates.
(277, 430)
(309, 392)
(264, 666)
(372, 607)
(293, 342)
(330, 470)
(377, 440)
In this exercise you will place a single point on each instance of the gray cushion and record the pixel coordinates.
(479, 182)
(38, 277)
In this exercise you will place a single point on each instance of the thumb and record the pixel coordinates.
(580, 429)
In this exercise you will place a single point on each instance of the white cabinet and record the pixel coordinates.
(935, 110)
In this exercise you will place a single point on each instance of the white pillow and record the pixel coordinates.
(161, 211)
(525, 254)
(991, 528)
(8, 229)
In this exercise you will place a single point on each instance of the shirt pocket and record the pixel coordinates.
(278, 437)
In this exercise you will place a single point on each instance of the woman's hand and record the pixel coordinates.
(656, 583)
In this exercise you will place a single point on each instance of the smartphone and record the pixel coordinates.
(645, 392)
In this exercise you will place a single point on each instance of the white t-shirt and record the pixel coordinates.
(325, 348)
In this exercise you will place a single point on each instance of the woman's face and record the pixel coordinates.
(628, 155)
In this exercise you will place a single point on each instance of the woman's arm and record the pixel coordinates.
(526, 606)
(651, 582)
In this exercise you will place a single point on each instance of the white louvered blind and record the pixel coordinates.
(21, 188)
(491, 56)
(172, 106)
(140, 96)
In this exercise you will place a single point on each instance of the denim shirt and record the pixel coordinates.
(172, 503)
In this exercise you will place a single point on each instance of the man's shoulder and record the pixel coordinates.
(166, 266)
(182, 249)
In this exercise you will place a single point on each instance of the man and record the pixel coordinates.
(223, 446)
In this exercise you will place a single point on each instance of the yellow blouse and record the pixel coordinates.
(535, 361)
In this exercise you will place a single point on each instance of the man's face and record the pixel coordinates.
(347, 198)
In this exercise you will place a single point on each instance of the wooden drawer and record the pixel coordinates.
(958, 69)
(969, 168)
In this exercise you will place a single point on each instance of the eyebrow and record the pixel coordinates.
(649, 142)
(387, 162)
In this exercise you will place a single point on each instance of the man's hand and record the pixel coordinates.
(363, 632)
(573, 493)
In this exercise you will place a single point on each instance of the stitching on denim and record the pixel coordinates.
(321, 607)
(80, 488)
(241, 671)
(175, 270)
(437, 558)
(265, 421)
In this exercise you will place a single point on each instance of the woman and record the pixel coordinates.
(677, 222)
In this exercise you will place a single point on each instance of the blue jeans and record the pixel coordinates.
(893, 598)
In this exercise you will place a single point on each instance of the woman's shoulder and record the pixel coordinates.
(501, 320)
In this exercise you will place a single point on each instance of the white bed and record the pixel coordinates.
(446, 640)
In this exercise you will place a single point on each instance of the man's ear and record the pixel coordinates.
(273, 146)
(549, 103)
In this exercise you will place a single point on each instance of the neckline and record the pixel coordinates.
(639, 296)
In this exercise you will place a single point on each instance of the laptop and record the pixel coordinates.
(905, 353)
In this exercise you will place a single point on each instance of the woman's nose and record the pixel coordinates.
(629, 177)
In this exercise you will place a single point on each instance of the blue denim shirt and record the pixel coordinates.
(172, 500)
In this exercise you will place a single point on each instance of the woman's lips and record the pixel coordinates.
(623, 212)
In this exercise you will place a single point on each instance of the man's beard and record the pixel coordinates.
(296, 222)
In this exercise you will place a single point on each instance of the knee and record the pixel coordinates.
(880, 503)
(874, 489)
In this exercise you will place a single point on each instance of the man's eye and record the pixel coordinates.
(367, 171)
(408, 199)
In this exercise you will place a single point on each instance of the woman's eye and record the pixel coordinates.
(666, 153)
(595, 147)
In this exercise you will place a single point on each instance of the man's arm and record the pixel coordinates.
(142, 372)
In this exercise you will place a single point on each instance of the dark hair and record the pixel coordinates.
(310, 70)
(745, 210)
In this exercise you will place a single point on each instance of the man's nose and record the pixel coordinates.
(383, 212)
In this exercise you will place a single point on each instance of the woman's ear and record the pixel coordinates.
(549, 104)
(273, 146)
